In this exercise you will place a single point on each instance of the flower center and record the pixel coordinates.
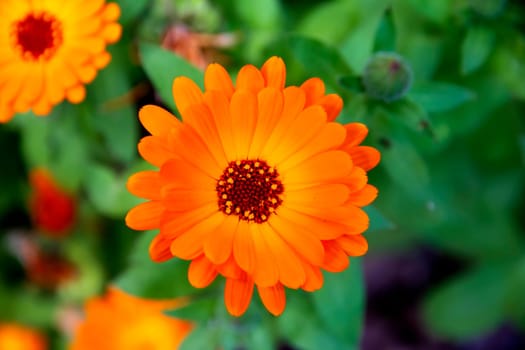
(250, 189)
(37, 36)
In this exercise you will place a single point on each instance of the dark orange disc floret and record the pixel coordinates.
(37, 35)
(250, 189)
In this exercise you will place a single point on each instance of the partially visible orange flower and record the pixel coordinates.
(52, 208)
(258, 183)
(121, 321)
(17, 337)
(50, 49)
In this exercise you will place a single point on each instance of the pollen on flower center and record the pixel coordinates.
(37, 36)
(250, 189)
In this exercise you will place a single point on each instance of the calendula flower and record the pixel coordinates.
(18, 337)
(52, 208)
(50, 49)
(121, 321)
(258, 183)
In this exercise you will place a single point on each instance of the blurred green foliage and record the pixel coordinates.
(451, 176)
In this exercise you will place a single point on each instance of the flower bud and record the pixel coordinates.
(387, 76)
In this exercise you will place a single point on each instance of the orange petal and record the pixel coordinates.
(321, 196)
(200, 118)
(354, 219)
(155, 150)
(238, 294)
(185, 93)
(353, 245)
(314, 278)
(159, 248)
(217, 78)
(273, 298)
(189, 244)
(270, 105)
(302, 130)
(274, 72)
(323, 167)
(293, 104)
(291, 272)
(230, 269)
(243, 248)
(335, 259)
(145, 216)
(243, 111)
(266, 273)
(173, 224)
(145, 184)
(157, 120)
(322, 228)
(76, 94)
(314, 89)
(356, 180)
(201, 272)
(330, 136)
(112, 32)
(332, 104)
(365, 157)
(111, 12)
(184, 139)
(219, 105)
(355, 134)
(181, 174)
(102, 60)
(218, 246)
(299, 239)
(249, 78)
(176, 199)
(364, 196)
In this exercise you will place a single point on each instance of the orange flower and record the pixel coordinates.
(50, 49)
(257, 183)
(16, 337)
(121, 321)
(52, 209)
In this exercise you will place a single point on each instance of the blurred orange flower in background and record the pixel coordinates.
(17, 337)
(50, 49)
(52, 208)
(121, 321)
(257, 184)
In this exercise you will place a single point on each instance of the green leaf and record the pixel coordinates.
(163, 66)
(200, 310)
(336, 18)
(111, 112)
(262, 14)
(156, 280)
(301, 327)
(468, 305)
(35, 133)
(358, 45)
(378, 221)
(410, 113)
(440, 97)
(475, 49)
(148, 279)
(340, 304)
(200, 338)
(405, 166)
(27, 307)
(108, 192)
(514, 301)
(131, 9)
(319, 59)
